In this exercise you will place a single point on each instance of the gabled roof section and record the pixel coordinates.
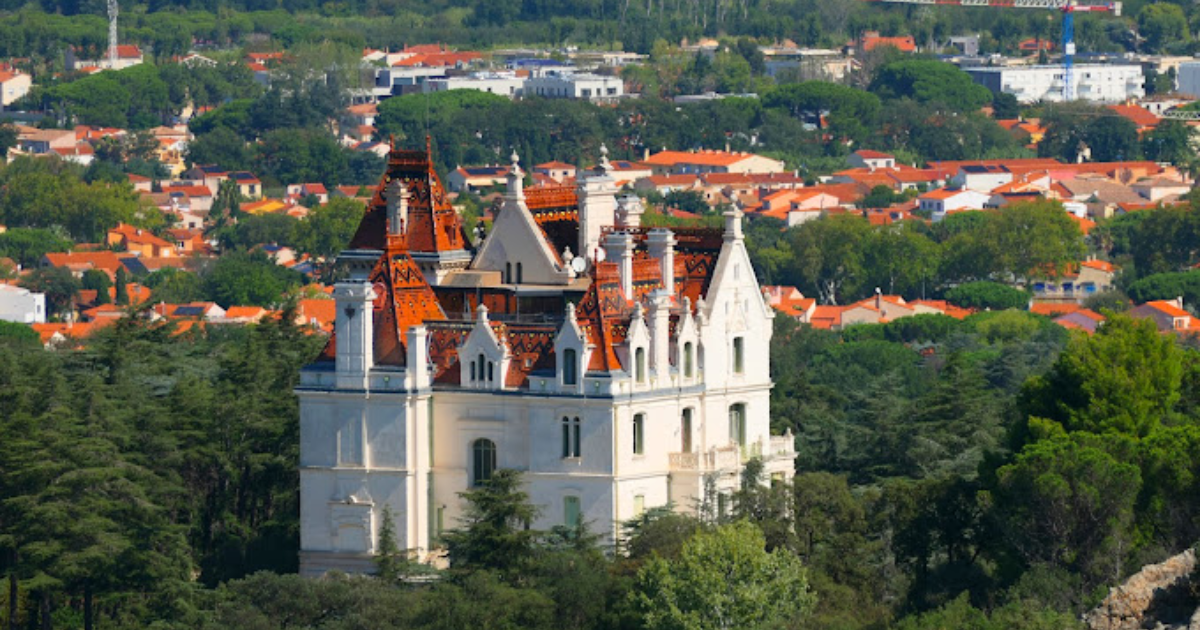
(433, 225)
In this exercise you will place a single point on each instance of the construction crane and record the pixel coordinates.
(112, 34)
(1068, 8)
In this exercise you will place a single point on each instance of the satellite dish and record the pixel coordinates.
(578, 264)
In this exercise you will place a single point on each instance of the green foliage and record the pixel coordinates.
(248, 279)
(723, 579)
(1162, 24)
(1166, 286)
(1067, 502)
(1124, 379)
(1071, 127)
(851, 112)
(1005, 106)
(928, 81)
(59, 285)
(494, 533)
(26, 246)
(174, 286)
(18, 332)
(98, 281)
(328, 229)
(43, 193)
(988, 296)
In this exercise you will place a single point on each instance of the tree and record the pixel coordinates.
(27, 245)
(985, 295)
(1005, 106)
(328, 229)
(723, 579)
(8, 138)
(1124, 379)
(1162, 24)
(59, 285)
(1035, 239)
(98, 281)
(494, 532)
(248, 278)
(1067, 502)
(175, 286)
(829, 256)
(122, 281)
(1170, 142)
(851, 112)
(928, 81)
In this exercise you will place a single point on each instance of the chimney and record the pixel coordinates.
(618, 248)
(629, 212)
(397, 207)
(417, 368)
(659, 318)
(597, 206)
(661, 244)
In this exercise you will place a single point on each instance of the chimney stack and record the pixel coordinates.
(661, 244)
(618, 247)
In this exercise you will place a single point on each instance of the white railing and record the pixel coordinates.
(783, 446)
(684, 461)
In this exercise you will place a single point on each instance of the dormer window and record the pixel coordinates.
(688, 359)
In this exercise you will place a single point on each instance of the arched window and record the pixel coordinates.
(737, 424)
(490, 373)
(739, 360)
(639, 434)
(519, 278)
(639, 365)
(483, 456)
(482, 361)
(687, 359)
(508, 273)
(570, 367)
(685, 431)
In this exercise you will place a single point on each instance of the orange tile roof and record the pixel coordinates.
(1140, 116)
(1168, 307)
(826, 317)
(1102, 265)
(322, 312)
(1051, 309)
(707, 158)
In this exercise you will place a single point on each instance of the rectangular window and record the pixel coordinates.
(571, 512)
(737, 424)
(566, 437)
(738, 358)
(639, 434)
(639, 365)
(575, 439)
(639, 504)
(570, 368)
(685, 431)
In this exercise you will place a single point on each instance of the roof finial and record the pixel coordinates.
(605, 166)
(516, 162)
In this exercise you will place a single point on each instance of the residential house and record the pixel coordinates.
(1080, 282)
(249, 186)
(199, 198)
(1157, 189)
(304, 190)
(1083, 319)
(1168, 315)
(139, 242)
(14, 85)
(20, 305)
(938, 203)
(877, 310)
(698, 162)
(45, 141)
(663, 184)
(79, 262)
(474, 178)
(872, 160)
(560, 172)
(791, 302)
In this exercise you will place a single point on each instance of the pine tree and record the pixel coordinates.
(389, 562)
(122, 289)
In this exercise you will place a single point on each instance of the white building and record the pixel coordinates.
(592, 87)
(615, 383)
(1093, 82)
(1188, 78)
(502, 83)
(22, 305)
(14, 85)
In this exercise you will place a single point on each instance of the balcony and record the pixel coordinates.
(725, 458)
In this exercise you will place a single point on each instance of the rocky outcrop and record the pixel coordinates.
(1157, 597)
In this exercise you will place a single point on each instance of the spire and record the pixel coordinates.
(516, 181)
(733, 223)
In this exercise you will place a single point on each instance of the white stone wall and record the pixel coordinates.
(22, 305)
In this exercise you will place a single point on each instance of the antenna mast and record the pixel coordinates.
(112, 34)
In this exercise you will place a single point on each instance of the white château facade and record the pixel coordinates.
(616, 382)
